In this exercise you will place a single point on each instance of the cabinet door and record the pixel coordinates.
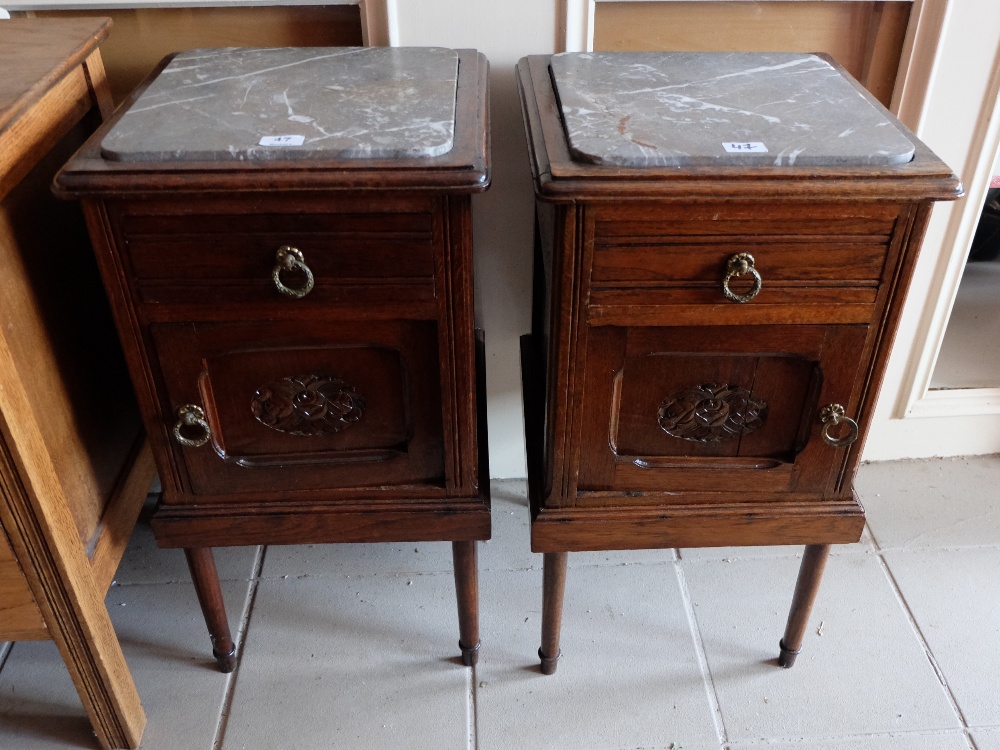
(716, 408)
(302, 406)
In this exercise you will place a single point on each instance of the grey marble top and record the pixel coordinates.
(650, 109)
(293, 103)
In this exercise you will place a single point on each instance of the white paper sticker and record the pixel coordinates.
(282, 140)
(745, 147)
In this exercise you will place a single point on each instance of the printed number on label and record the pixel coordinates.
(282, 140)
(745, 147)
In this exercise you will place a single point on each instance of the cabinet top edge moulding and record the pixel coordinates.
(463, 169)
(560, 177)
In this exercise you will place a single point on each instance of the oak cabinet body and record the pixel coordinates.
(301, 336)
(707, 344)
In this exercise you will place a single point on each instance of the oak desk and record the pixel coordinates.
(74, 465)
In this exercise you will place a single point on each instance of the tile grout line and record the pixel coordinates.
(911, 618)
(473, 710)
(770, 741)
(699, 648)
(227, 700)
(5, 651)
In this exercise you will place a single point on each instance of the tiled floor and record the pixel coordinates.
(355, 646)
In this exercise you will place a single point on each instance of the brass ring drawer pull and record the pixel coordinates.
(291, 259)
(741, 264)
(833, 415)
(191, 416)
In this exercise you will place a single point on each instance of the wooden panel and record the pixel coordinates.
(141, 37)
(20, 619)
(775, 258)
(243, 376)
(702, 525)
(62, 339)
(108, 545)
(338, 254)
(714, 443)
(864, 37)
(617, 224)
(658, 393)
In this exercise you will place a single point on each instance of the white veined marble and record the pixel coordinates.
(293, 103)
(654, 109)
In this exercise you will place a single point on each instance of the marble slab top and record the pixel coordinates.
(655, 109)
(293, 103)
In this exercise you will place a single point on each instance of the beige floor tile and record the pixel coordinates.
(944, 502)
(987, 739)
(629, 676)
(867, 674)
(39, 707)
(954, 596)
(360, 662)
(144, 562)
(168, 652)
(911, 741)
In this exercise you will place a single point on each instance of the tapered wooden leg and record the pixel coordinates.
(206, 584)
(467, 591)
(553, 588)
(806, 587)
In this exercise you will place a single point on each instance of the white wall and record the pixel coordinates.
(959, 115)
(503, 217)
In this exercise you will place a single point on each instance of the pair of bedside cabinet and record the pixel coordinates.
(285, 236)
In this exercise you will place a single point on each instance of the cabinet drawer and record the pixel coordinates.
(666, 244)
(232, 258)
(705, 262)
(289, 406)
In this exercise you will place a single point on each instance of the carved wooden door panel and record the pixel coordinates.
(716, 408)
(286, 406)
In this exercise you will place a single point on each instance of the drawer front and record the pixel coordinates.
(283, 407)
(716, 409)
(237, 258)
(663, 244)
(706, 261)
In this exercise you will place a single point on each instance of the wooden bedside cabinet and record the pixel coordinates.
(286, 238)
(723, 247)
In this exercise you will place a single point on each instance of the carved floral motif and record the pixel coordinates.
(711, 413)
(307, 405)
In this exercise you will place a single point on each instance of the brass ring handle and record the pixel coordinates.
(291, 259)
(190, 415)
(741, 264)
(832, 415)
